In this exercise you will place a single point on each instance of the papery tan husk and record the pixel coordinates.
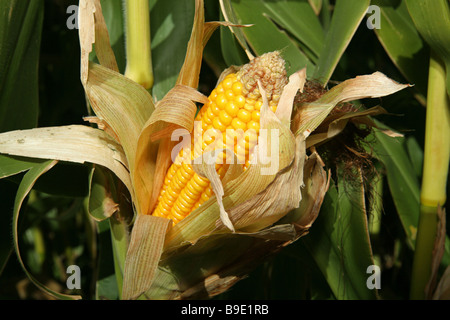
(216, 262)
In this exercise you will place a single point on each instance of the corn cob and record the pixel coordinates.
(234, 104)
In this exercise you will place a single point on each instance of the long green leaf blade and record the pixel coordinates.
(432, 19)
(339, 242)
(170, 25)
(20, 36)
(402, 42)
(346, 18)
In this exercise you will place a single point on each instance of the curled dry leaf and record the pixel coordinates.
(308, 116)
(281, 196)
(333, 125)
(75, 143)
(93, 30)
(205, 166)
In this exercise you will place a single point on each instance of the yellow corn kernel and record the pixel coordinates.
(234, 104)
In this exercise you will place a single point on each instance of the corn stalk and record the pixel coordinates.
(432, 20)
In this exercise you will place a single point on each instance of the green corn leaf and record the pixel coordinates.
(170, 25)
(10, 166)
(432, 19)
(402, 42)
(346, 18)
(21, 24)
(265, 17)
(231, 50)
(113, 14)
(339, 242)
(402, 181)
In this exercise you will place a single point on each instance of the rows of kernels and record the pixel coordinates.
(227, 109)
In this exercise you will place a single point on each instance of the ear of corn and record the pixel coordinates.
(230, 119)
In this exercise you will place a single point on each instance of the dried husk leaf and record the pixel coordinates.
(216, 262)
(102, 125)
(122, 103)
(103, 50)
(309, 116)
(275, 201)
(176, 110)
(75, 143)
(190, 71)
(92, 29)
(333, 125)
(443, 289)
(86, 33)
(205, 166)
(144, 252)
(124, 106)
(251, 182)
(296, 83)
(221, 257)
(316, 184)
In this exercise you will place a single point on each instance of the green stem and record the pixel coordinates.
(435, 172)
(119, 237)
(138, 46)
